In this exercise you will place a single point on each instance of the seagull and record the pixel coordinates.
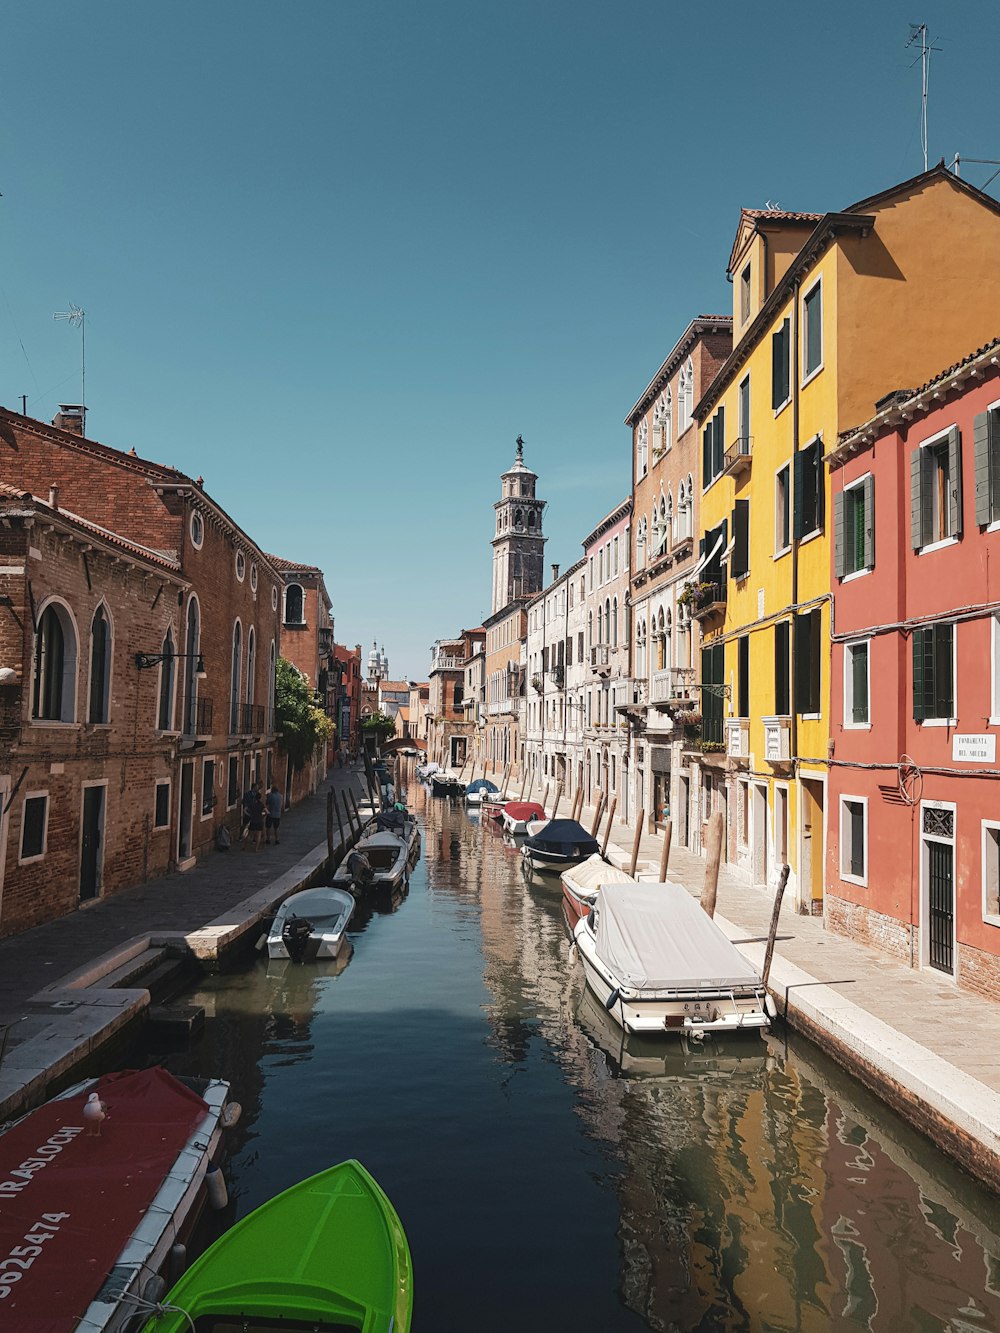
(94, 1112)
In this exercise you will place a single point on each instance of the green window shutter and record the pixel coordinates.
(944, 685)
(916, 501)
(743, 674)
(981, 462)
(868, 487)
(839, 553)
(777, 397)
(741, 538)
(815, 659)
(781, 703)
(919, 700)
(859, 685)
(955, 483)
(706, 455)
(798, 498)
(819, 484)
(719, 442)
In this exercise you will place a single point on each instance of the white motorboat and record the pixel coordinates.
(403, 824)
(311, 924)
(582, 883)
(446, 783)
(95, 1229)
(517, 815)
(477, 792)
(659, 963)
(425, 771)
(380, 860)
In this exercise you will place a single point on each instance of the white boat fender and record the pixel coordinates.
(770, 1006)
(612, 1000)
(215, 1184)
(176, 1261)
(231, 1113)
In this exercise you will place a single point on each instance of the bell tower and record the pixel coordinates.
(518, 544)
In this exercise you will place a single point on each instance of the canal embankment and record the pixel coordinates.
(72, 988)
(928, 1049)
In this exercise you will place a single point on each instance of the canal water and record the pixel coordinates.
(550, 1177)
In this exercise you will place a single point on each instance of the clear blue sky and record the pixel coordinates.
(337, 254)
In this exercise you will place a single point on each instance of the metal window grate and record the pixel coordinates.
(939, 823)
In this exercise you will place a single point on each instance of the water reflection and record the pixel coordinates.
(552, 1175)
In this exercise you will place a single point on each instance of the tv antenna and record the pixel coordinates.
(78, 319)
(919, 33)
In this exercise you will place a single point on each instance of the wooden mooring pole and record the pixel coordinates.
(607, 831)
(668, 833)
(640, 820)
(330, 798)
(555, 807)
(775, 913)
(716, 830)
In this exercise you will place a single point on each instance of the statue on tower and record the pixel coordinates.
(520, 449)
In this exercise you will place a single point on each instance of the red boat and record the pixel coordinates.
(518, 814)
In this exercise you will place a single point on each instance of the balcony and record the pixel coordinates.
(738, 456)
(446, 663)
(600, 659)
(502, 707)
(558, 675)
(674, 685)
(737, 737)
(777, 739)
(196, 713)
(326, 642)
(627, 693)
(707, 599)
(248, 719)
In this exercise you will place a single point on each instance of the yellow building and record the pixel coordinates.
(831, 312)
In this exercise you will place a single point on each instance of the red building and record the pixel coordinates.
(348, 660)
(913, 839)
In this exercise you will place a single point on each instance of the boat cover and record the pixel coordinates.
(565, 837)
(391, 821)
(595, 872)
(481, 784)
(322, 906)
(524, 810)
(85, 1192)
(657, 937)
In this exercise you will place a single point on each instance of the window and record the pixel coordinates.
(274, 599)
(741, 540)
(165, 707)
(615, 559)
(192, 648)
(808, 491)
(854, 839)
(294, 607)
(579, 646)
(253, 575)
(241, 565)
(34, 826)
(233, 784)
(934, 672)
(991, 871)
(100, 666)
(712, 672)
(685, 397)
(641, 448)
(54, 687)
(812, 331)
(662, 414)
(995, 669)
(782, 698)
(780, 376)
(986, 459)
(207, 787)
(197, 529)
(936, 490)
(161, 805)
(713, 447)
(234, 680)
(743, 676)
(807, 661)
(782, 512)
(743, 424)
(854, 528)
(745, 295)
(856, 684)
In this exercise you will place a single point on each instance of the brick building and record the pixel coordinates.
(348, 663)
(142, 626)
(307, 643)
(450, 733)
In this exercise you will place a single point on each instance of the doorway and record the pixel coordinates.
(184, 812)
(811, 835)
(683, 810)
(760, 858)
(92, 843)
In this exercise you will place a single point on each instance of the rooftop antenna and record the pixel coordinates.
(78, 319)
(919, 33)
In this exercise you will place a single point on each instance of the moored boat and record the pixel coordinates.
(311, 924)
(96, 1187)
(582, 883)
(446, 783)
(328, 1254)
(659, 963)
(562, 842)
(398, 820)
(518, 814)
(380, 860)
(477, 791)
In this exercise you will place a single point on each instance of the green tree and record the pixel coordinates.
(299, 723)
(383, 726)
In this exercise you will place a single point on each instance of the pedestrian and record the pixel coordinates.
(246, 805)
(273, 819)
(254, 809)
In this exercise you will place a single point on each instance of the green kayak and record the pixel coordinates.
(327, 1254)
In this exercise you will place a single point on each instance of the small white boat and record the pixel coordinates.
(425, 771)
(403, 824)
(517, 815)
(582, 883)
(659, 963)
(379, 861)
(123, 1194)
(477, 792)
(311, 924)
(446, 783)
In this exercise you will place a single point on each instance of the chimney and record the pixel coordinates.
(71, 417)
(53, 497)
(555, 573)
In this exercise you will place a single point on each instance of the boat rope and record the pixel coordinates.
(158, 1307)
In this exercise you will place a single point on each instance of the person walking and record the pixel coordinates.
(273, 803)
(253, 808)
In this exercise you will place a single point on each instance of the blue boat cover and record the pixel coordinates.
(565, 837)
(481, 784)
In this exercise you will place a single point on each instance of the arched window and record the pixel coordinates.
(234, 681)
(271, 686)
(607, 620)
(661, 641)
(614, 623)
(168, 668)
(640, 649)
(100, 666)
(662, 414)
(54, 687)
(590, 629)
(294, 605)
(531, 518)
(685, 394)
(642, 448)
(191, 649)
(251, 664)
(518, 518)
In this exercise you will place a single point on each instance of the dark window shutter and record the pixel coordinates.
(800, 649)
(916, 501)
(815, 664)
(857, 839)
(741, 538)
(798, 494)
(869, 521)
(944, 685)
(719, 442)
(859, 685)
(819, 484)
(981, 462)
(743, 673)
(781, 702)
(779, 366)
(919, 682)
(706, 455)
(839, 550)
(955, 483)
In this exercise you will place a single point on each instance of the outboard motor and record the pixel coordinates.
(360, 870)
(295, 937)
